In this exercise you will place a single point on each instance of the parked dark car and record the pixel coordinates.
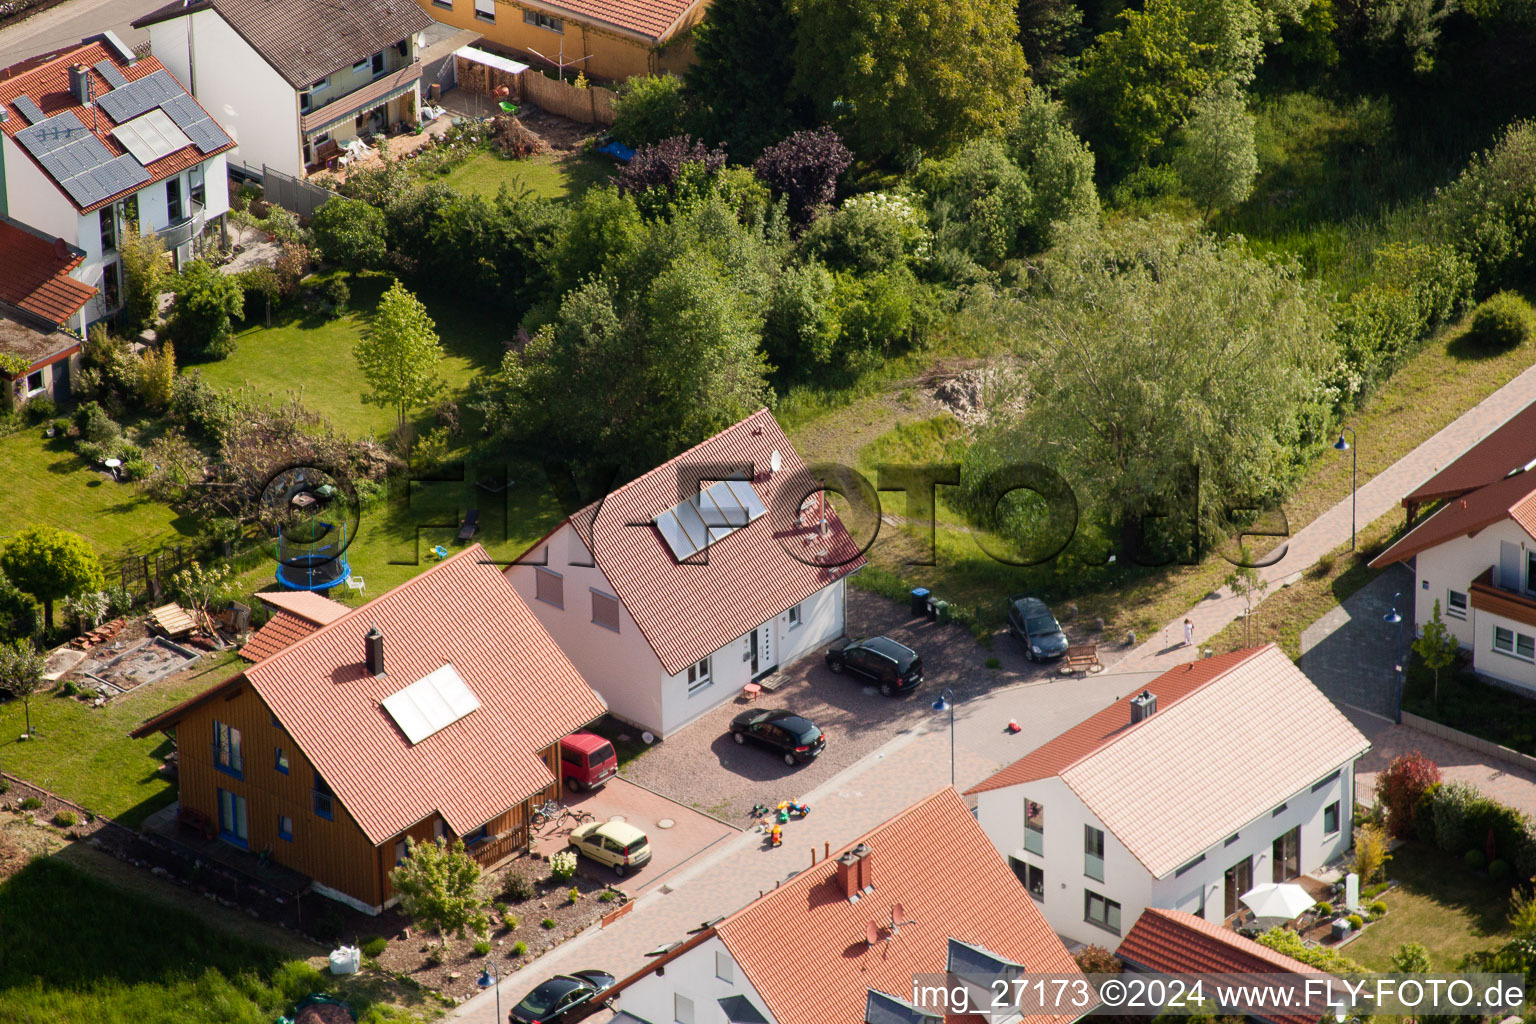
(563, 999)
(1037, 629)
(894, 667)
(796, 738)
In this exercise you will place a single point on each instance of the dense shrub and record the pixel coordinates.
(65, 819)
(1453, 806)
(31, 803)
(95, 425)
(648, 109)
(1400, 785)
(1474, 859)
(1356, 922)
(1058, 165)
(1424, 814)
(801, 328)
(1377, 908)
(1499, 323)
(804, 169)
(1324, 908)
(519, 948)
(1095, 959)
(1498, 870)
(482, 948)
(661, 164)
(979, 201)
(869, 234)
(374, 946)
(516, 886)
(39, 409)
(1490, 210)
(202, 319)
(350, 234)
(1322, 957)
(562, 865)
(336, 292)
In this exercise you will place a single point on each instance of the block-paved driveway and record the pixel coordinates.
(702, 767)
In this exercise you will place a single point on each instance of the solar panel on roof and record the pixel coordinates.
(709, 516)
(77, 160)
(150, 137)
(192, 119)
(29, 110)
(431, 704)
(106, 69)
(129, 101)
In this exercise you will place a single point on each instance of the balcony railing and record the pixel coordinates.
(183, 231)
(1511, 604)
(502, 846)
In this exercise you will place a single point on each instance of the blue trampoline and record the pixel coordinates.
(314, 557)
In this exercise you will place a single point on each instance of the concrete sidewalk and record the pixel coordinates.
(1377, 497)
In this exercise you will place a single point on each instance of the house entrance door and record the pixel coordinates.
(1239, 879)
(1287, 856)
(764, 658)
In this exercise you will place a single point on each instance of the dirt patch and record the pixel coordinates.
(559, 133)
(21, 841)
(454, 971)
(123, 669)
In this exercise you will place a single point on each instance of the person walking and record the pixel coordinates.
(1189, 633)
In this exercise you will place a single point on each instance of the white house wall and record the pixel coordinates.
(1126, 880)
(32, 197)
(621, 666)
(240, 90)
(1453, 566)
(1506, 668)
(693, 976)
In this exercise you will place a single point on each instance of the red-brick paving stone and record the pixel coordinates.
(1507, 783)
(689, 835)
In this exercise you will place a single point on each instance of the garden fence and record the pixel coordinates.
(592, 105)
(149, 576)
(302, 197)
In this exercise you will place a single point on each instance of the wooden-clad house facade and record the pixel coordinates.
(300, 757)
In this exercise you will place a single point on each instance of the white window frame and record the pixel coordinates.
(1337, 811)
(485, 10)
(1038, 833)
(794, 617)
(1093, 838)
(699, 677)
(360, 65)
(1522, 646)
(725, 967)
(542, 575)
(1088, 897)
(682, 1008)
(42, 383)
(1450, 604)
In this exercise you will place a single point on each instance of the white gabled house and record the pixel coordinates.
(711, 571)
(94, 140)
(848, 939)
(294, 80)
(1223, 774)
(1476, 554)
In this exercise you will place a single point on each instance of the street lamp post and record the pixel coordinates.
(486, 981)
(946, 702)
(1392, 618)
(1354, 465)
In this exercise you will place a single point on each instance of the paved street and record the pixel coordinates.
(71, 22)
(1351, 654)
(1377, 496)
(895, 775)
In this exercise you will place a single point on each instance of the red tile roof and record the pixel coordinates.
(1511, 497)
(688, 611)
(34, 274)
(1166, 787)
(650, 18)
(1511, 446)
(1173, 942)
(802, 945)
(297, 613)
(461, 612)
(45, 80)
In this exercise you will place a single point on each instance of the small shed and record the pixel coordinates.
(483, 72)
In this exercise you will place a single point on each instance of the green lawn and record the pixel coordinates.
(84, 753)
(1451, 910)
(551, 175)
(313, 355)
(74, 948)
(47, 484)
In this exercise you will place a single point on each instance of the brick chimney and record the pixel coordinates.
(848, 875)
(866, 865)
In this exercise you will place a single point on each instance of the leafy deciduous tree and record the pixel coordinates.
(804, 169)
(50, 564)
(740, 81)
(649, 108)
(351, 234)
(439, 887)
(145, 272)
(1058, 166)
(21, 673)
(1437, 646)
(208, 303)
(399, 353)
(910, 77)
(1217, 159)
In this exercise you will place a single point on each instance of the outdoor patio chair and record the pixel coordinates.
(470, 526)
(356, 583)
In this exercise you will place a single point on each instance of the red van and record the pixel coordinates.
(587, 760)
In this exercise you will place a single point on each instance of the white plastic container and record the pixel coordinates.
(346, 960)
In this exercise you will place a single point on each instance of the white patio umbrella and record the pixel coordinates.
(1282, 901)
